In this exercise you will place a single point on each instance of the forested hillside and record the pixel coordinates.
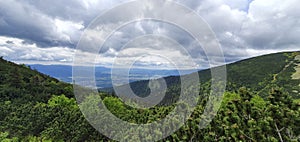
(19, 81)
(36, 107)
(258, 74)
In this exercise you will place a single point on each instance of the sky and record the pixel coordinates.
(48, 31)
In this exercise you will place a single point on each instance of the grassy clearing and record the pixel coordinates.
(296, 75)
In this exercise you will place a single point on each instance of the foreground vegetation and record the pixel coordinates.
(36, 107)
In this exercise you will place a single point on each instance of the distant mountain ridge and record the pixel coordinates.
(103, 75)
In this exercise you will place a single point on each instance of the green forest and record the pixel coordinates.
(261, 103)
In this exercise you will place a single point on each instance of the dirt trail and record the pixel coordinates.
(296, 75)
(285, 67)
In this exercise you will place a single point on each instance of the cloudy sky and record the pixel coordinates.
(48, 31)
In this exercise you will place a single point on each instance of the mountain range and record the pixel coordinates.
(103, 74)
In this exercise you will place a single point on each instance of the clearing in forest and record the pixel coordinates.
(296, 75)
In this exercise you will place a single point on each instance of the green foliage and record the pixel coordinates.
(258, 102)
(229, 97)
(4, 137)
(62, 101)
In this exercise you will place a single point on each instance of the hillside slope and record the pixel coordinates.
(19, 82)
(35, 107)
(257, 73)
(262, 73)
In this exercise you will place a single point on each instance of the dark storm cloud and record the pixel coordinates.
(9, 42)
(40, 21)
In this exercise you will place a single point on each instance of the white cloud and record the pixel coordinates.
(22, 19)
(277, 27)
(245, 28)
(26, 53)
(66, 29)
(265, 27)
